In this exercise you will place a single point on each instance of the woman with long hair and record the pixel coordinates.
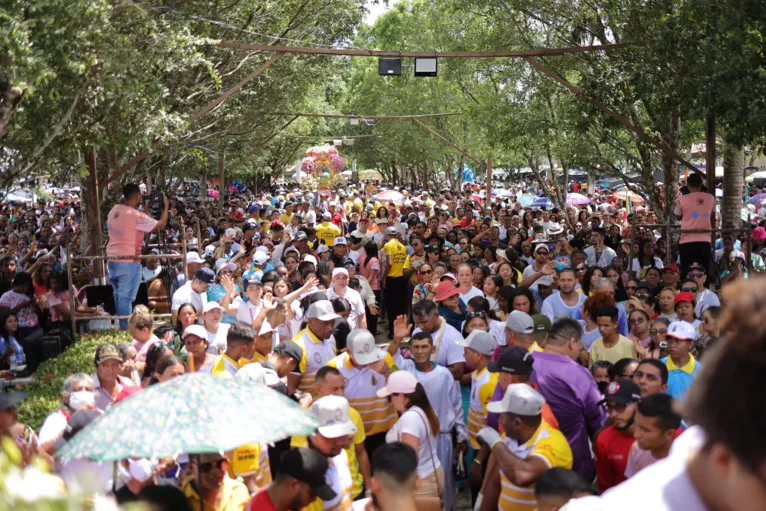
(522, 299)
(157, 351)
(492, 285)
(425, 285)
(507, 273)
(638, 322)
(590, 278)
(657, 331)
(645, 260)
(21, 301)
(9, 341)
(40, 279)
(167, 368)
(613, 274)
(418, 427)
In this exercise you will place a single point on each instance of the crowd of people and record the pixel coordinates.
(523, 356)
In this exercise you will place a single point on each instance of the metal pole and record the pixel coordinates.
(183, 248)
(71, 293)
(488, 202)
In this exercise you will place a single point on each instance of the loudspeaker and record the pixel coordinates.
(390, 67)
(427, 66)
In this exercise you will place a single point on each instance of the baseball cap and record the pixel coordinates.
(209, 250)
(223, 264)
(520, 322)
(230, 232)
(205, 275)
(260, 258)
(339, 271)
(326, 215)
(253, 207)
(542, 326)
(193, 257)
(321, 310)
(520, 399)
(681, 330)
(683, 296)
(361, 345)
(622, 391)
(391, 231)
(321, 249)
(310, 467)
(545, 280)
(513, 360)
(209, 306)
(289, 348)
(340, 240)
(310, 259)
(300, 235)
(697, 266)
(197, 330)
(266, 328)
(479, 341)
(332, 411)
(541, 245)
(671, 267)
(399, 382)
(107, 352)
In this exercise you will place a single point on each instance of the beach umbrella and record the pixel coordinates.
(624, 194)
(542, 202)
(755, 199)
(194, 413)
(527, 200)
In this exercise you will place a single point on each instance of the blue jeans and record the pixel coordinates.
(125, 279)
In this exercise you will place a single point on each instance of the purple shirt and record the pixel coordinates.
(571, 392)
(492, 418)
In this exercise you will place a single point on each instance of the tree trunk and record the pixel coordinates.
(670, 165)
(733, 174)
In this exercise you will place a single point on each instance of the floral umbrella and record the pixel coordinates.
(390, 196)
(577, 199)
(195, 413)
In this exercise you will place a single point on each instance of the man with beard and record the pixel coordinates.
(614, 442)
(301, 481)
(210, 484)
(567, 302)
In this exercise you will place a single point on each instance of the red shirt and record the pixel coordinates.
(261, 502)
(611, 450)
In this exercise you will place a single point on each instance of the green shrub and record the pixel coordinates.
(49, 378)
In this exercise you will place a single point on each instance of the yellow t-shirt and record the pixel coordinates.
(482, 387)
(548, 443)
(623, 349)
(327, 232)
(251, 459)
(397, 255)
(285, 218)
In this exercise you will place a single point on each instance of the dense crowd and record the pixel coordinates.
(448, 343)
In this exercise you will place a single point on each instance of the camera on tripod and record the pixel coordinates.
(156, 204)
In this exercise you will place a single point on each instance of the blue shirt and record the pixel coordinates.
(215, 293)
(680, 378)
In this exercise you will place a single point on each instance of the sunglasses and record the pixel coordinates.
(696, 275)
(689, 289)
(207, 467)
(582, 269)
(632, 288)
(636, 321)
(542, 252)
(426, 272)
(642, 296)
(477, 314)
(617, 407)
(661, 331)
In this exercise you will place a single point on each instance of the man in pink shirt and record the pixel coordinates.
(127, 226)
(695, 212)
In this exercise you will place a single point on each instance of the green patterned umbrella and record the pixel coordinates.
(195, 413)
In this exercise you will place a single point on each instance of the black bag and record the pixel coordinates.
(51, 346)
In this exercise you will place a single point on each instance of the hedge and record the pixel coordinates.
(45, 390)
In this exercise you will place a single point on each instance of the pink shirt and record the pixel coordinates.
(142, 348)
(695, 209)
(126, 230)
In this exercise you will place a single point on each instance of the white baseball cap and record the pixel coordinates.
(361, 345)
(520, 322)
(340, 240)
(311, 259)
(326, 216)
(479, 341)
(197, 330)
(260, 258)
(520, 399)
(681, 330)
(332, 411)
(339, 271)
(321, 310)
(321, 249)
(266, 328)
(193, 257)
(209, 306)
(399, 382)
(223, 264)
(209, 250)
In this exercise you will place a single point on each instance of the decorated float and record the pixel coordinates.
(323, 163)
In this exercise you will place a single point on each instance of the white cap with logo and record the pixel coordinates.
(520, 399)
(361, 345)
(321, 310)
(332, 411)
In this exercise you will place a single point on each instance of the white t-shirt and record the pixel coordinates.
(218, 339)
(185, 294)
(474, 291)
(415, 422)
(705, 298)
(247, 312)
(449, 351)
(53, 428)
(357, 304)
(147, 274)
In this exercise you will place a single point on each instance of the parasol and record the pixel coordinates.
(577, 199)
(390, 196)
(527, 199)
(634, 197)
(195, 413)
(755, 199)
(542, 202)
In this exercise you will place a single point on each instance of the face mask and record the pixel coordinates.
(81, 398)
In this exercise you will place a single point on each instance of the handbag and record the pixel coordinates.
(439, 488)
